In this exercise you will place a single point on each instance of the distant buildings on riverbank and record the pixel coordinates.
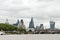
(37, 29)
(31, 24)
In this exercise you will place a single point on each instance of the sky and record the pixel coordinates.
(41, 10)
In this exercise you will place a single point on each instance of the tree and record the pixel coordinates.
(7, 27)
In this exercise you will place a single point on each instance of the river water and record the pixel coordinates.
(31, 37)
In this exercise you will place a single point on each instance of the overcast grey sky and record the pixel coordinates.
(42, 9)
(16, 8)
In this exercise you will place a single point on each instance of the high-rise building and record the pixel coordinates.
(16, 24)
(31, 24)
(22, 21)
(52, 25)
(7, 21)
(21, 24)
(41, 26)
(37, 28)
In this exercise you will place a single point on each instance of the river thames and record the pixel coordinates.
(31, 37)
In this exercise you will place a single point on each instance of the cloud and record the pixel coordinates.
(39, 9)
(30, 8)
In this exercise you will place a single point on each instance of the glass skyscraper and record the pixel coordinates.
(41, 26)
(16, 24)
(21, 24)
(31, 24)
(52, 25)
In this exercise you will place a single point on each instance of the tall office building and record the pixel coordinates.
(16, 24)
(21, 24)
(41, 26)
(7, 21)
(31, 24)
(52, 25)
(22, 21)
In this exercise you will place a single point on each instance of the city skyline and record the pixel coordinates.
(40, 10)
(36, 23)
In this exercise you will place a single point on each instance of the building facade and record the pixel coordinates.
(52, 25)
(16, 24)
(31, 25)
(41, 26)
(21, 24)
(7, 22)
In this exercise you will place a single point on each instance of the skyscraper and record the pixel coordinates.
(7, 21)
(16, 24)
(22, 21)
(31, 24)
(21, 24)
(52, 25)
(41, 26)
